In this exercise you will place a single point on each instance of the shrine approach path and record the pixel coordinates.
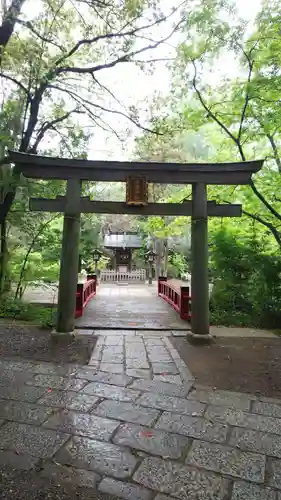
(130, 306)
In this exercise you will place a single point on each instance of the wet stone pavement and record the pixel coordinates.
(133, 424)
(128, 306)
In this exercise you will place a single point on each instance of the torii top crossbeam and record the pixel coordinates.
(47, 167)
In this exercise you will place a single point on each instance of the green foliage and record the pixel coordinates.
(177, 265)
(247, 284)
(15, 309)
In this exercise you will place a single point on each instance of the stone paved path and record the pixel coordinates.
(133, 423)
(128, 307)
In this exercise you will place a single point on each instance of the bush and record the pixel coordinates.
(177, 265)
(16, 309)
(247, 284)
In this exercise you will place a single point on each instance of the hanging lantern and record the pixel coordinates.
(136, 191)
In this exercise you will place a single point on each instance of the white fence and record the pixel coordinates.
(124, 277)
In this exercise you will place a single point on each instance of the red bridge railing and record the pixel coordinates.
(84, 293)
(176, 294)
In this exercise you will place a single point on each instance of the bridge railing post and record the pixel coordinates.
(79, 300)
(161, 278)
(185, 302)
(93, 277)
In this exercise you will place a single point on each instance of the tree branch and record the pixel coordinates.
(259, 219)
(29, 25)
(49, 125)
(81, 100)
(247, 96)
(237, 142)
(19, 84)
(108, 36)
(275, 151)
(124, 58)
(264, 201)
(266, 224)
(207, 108)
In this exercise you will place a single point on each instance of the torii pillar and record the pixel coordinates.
(199, 263)
(69, 259)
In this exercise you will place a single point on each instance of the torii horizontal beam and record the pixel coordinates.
(116, 207)
(44, 167)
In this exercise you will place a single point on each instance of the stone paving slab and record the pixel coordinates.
(15, 377)
(111, 392)
(112, 358)
(32, 440)
(163, 497)
(170, 403)
(224, 398)
(275, 474)
(21, 392)
(128, 412)
(248, 491)
(103, 458)
(180, 481)
(227, 460)
(195, 427)
(69, 400)
(169, 368)
(171, 379)
(261, 442)
(240, 418)
(138, 372)
(152, 441)
(45, 368)
(56, 382)
(107, 378)
(24, 412)
(161, 387)
(60, 473)
(82, 424)
(128, 491)
(269, 409)
(136, 363)
(112, 368)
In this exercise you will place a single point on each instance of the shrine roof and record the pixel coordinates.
(118, 240)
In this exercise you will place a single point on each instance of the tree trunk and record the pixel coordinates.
(157, 258)
(166, 257)
(20, 289)
(4, 282)
(8, 24)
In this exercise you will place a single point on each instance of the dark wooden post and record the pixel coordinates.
(79, 263)
(150, 273)
(79, 300)
(199, 262)
(161, 278)
(93, 277)
(185, 302)
(157, 258)
(69, 259)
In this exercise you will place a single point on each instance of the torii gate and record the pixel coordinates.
(72, 205)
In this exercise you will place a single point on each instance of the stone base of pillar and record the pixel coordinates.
(197, 339)
(62, 335)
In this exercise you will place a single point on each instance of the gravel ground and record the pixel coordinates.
(23, 485)
(236, 364)
(36, 344)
